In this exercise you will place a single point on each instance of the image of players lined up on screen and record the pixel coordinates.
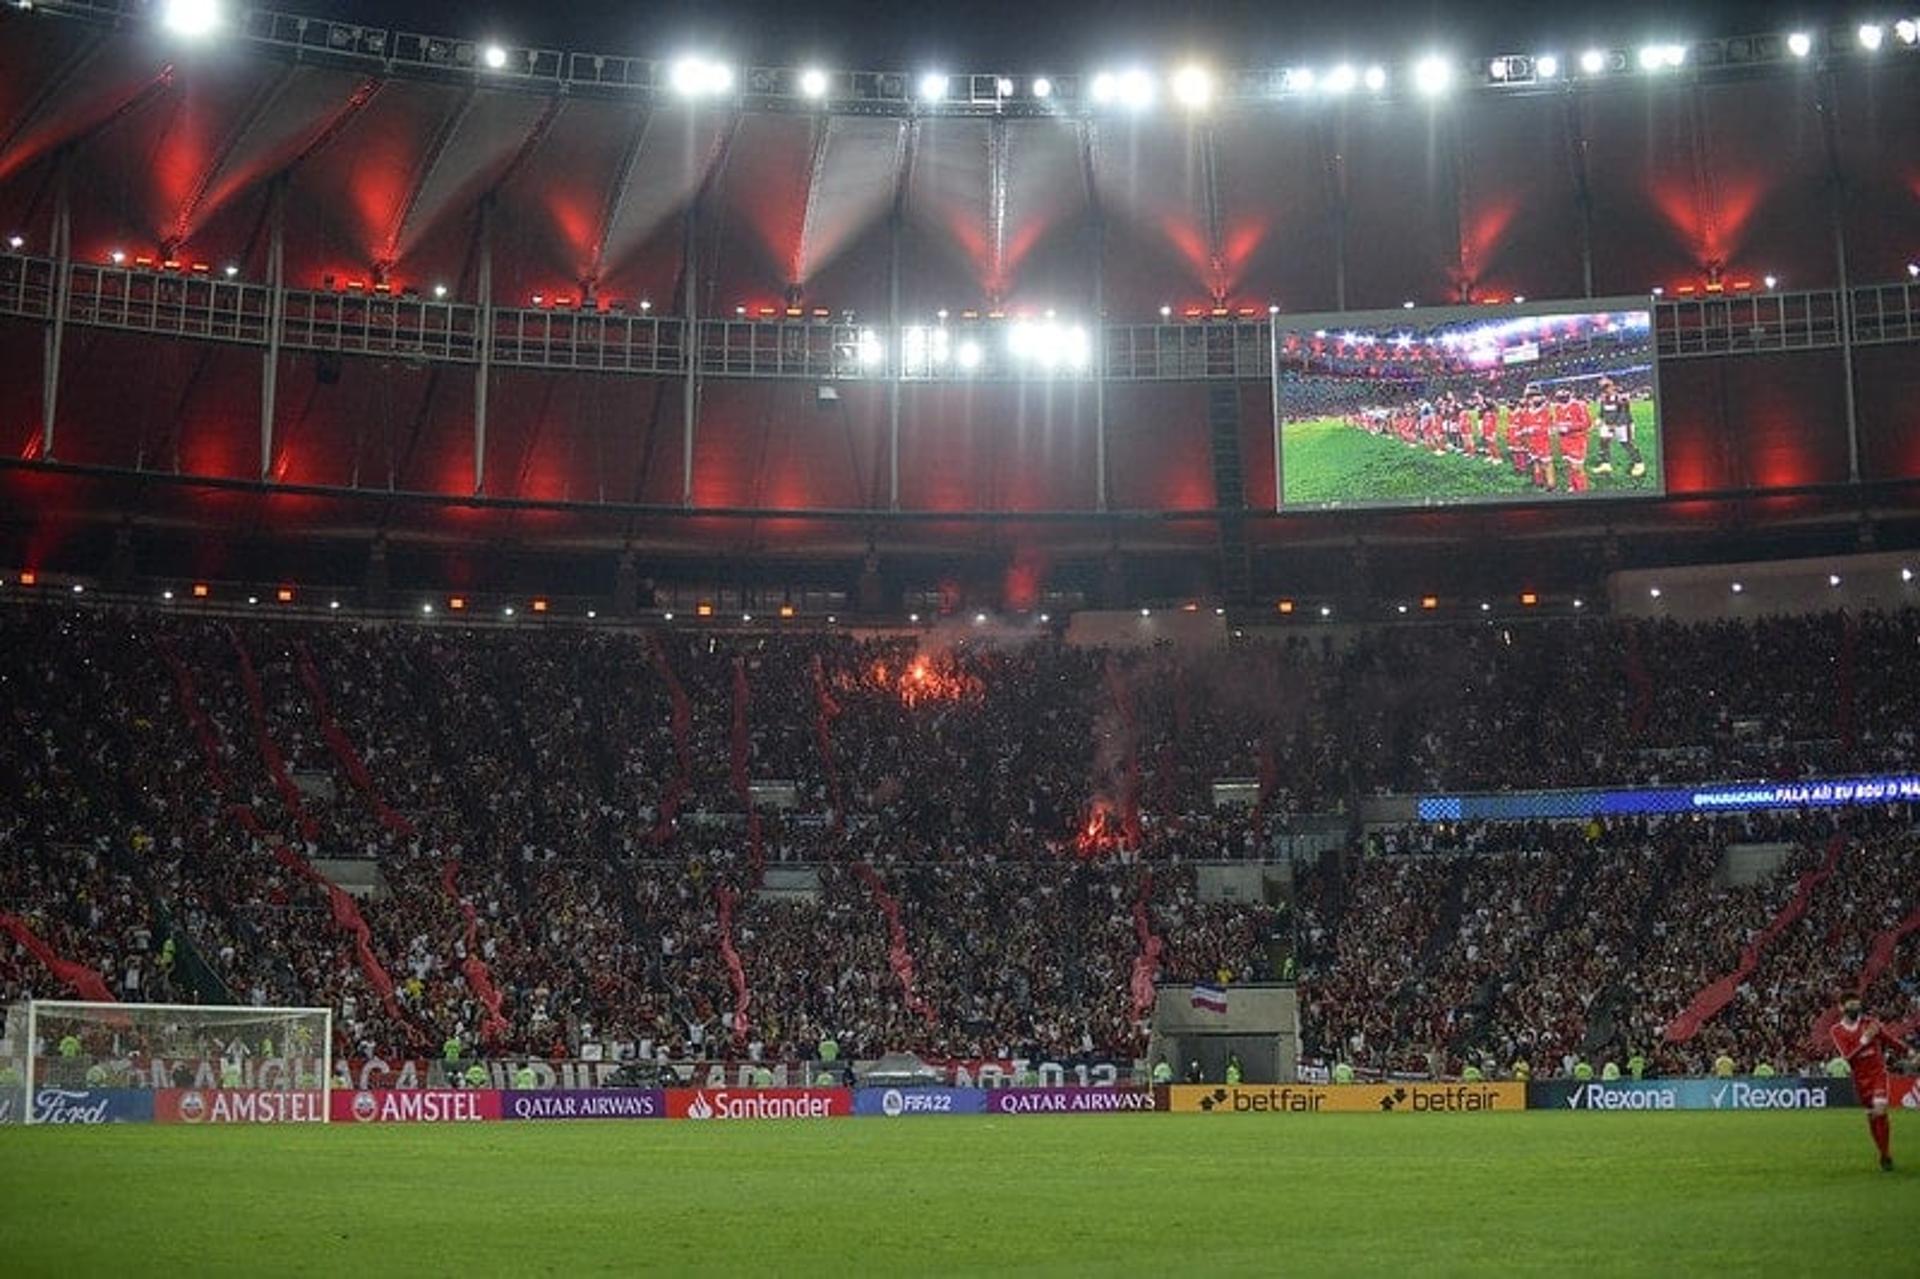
(1471, 404)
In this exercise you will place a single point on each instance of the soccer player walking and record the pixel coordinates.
(1861, 1041)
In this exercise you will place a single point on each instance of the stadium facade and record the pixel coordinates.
(359, 288)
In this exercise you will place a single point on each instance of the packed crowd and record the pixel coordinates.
(557, 817)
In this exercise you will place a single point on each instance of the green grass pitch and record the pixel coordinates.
(1328, 461)
(1664, 1194)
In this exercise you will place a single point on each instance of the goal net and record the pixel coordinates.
(182, 1061)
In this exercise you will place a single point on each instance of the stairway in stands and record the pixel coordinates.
(1229, 491)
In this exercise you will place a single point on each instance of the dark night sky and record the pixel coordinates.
(1075, 35)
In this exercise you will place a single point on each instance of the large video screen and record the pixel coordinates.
(1470, 404)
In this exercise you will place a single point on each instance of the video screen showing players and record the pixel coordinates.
(1472, 404)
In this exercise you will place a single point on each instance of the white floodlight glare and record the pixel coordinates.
(1376, 79)
(1299, 80)
(872, 351)
(968, 354)
(439, 291)
(1799, 44)
(1871, 35)
(193, 18)
(1341, 79)
(231, 270)
(1662, 57)
(1772, 282)
(1050, 345)
(697, 77)
(813, 83)
(933, 86)
(1165, 311)
(1432, 75)
(1593, 62)
(1003, 86)
(1497, 69)
(494, 57)
(15, 242)
(1132, 89)
(1546, 66)
(1042, 88)
(1907, 31)
(1193, 87)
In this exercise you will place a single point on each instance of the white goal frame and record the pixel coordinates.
(34, 1007)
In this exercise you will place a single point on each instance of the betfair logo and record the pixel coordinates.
(1263, 1101)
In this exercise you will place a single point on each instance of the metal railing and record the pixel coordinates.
(358, 322)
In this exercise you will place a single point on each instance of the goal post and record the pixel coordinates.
(195, 1060)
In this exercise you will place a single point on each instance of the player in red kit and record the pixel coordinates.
(1573, 424)
(1862, 1042)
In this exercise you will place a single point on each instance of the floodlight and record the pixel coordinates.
(193, 18)
(1546, 66)
(1193, 87)
(1799, 44)
(1165, 312)
(1341, 79)
(1907, 31)
(1772, 281)
(696, 77)
(118, 257)
(439, 290)
(1003, 86)
(494, 56)
(1593, 62)
(1105, 87)
(1871, 35)
(1299, 80)
(813, 82)
(1497, 69)
(1043, 88)
(1432, 75)
(1376, 79)
(872, 351)
(933, 86)
(1660, 57)
(15, 242)
(232, 270)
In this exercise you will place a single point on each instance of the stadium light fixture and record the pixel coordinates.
(1872, 35)
(693, 76)
(872, 351)
(1042, 88)
(1341, 79)
(193, 18)
(1771, 281)
(1375, 78)
(968, 355)
(1593, 62)
(1546, 66)
(424, 608)
(1003, 86)
(1799, 44)
(231, 270)
(1833, 579)
(118, 257)
(15, 241)
(1913, 270)
(1166, 312)
(1432, 75)
(1653, 592)
(1907, 31)
(494, 56)
(1738, 587)
(1299, 80)
(439, 290)
(813, 83)
(933, 86)
(1193, 87)
(1906, 575)
(1662, 57)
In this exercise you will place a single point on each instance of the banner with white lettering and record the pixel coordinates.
(1787, 1093)
(416, 1106)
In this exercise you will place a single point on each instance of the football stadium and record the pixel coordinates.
(1229, 642)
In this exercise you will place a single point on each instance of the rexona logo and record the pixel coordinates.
(1606, 1097)
(417, 1106)
(761, 1103)
(1742, 1095)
